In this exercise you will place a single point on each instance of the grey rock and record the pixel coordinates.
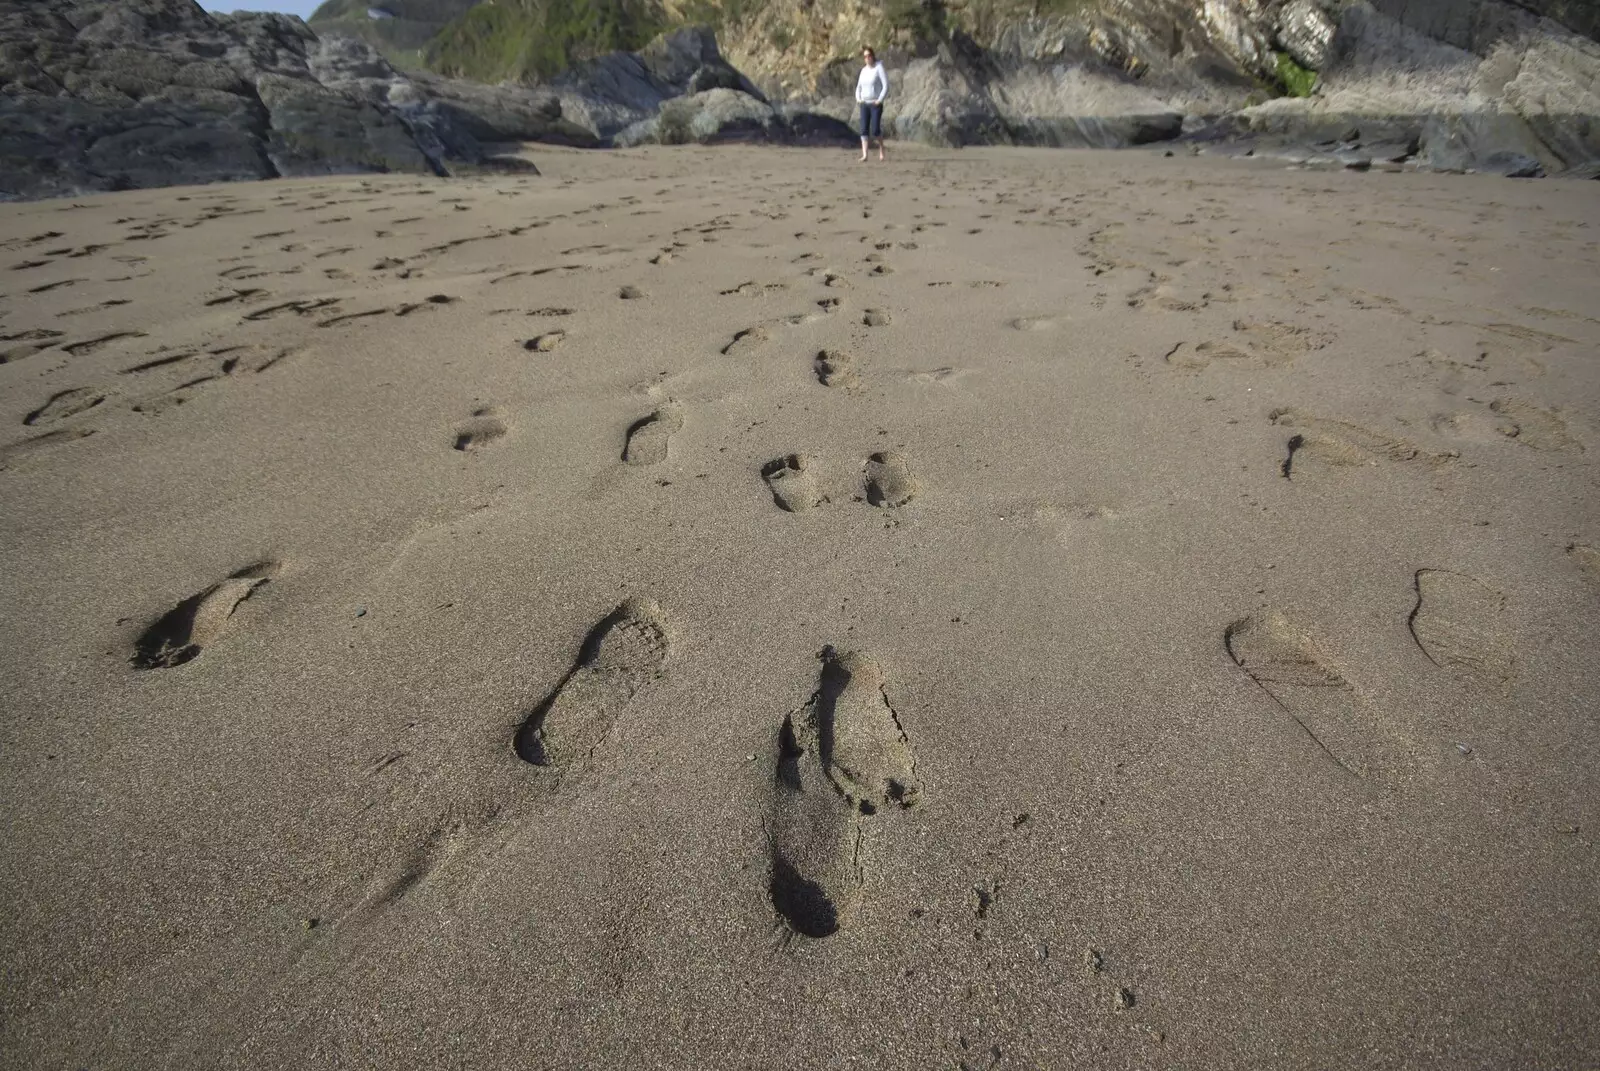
(1391, 152)
(716, 115)
(943, 100)
(808, 127)
(1486, 92)
(318, 131)
(450, 120)
(1305, 31)
(962, 96)
(1496, 143)
(720, 115)
(115, 94)
(503, 113)
(610, 93)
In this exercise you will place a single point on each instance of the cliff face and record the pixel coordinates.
(99, 94)
(1462, 79)
(111, 94)
(1468, 80)
(1464, 83)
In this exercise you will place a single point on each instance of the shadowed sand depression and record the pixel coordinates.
(730, 608)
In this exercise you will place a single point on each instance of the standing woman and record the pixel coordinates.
(871, 87)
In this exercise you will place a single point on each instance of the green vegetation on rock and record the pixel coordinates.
(1294, 79)
(716, 13)
(535, 39)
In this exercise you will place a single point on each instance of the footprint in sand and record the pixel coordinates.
(1587, 559)
(1334, 442)
(1268, 344)
(946, 377)
(198, 621)
(28, 343)
(64, 404)
(546, 342)
(483, 427)
(1303, 683)
(620, 655)
(888, 481)
(19, 452)
(842, 758)
(747, 341)
(793, 483)
(1456, 622)
(647, 438)
(1168, 299)
(836, 368)
(1528, 424)
(1473, 426)
(877, 318)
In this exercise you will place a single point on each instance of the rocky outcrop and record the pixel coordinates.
(451, 121)
(155, 92)
(719, 116)
(613, 92)
(114, 94)
(716, 115)
(1103, 76)
(679, 89)
(962, 96)
(105, 94)
(1478, 84)
(1305, 31)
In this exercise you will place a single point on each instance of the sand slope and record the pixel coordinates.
(737, 608)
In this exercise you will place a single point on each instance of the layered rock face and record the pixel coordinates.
(621, 89)
(1484, 84)
(115, 94)
(108, 94)
(679, 89)
(1472, 83)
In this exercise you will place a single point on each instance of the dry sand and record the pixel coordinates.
(739, 608)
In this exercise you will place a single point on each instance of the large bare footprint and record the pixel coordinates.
(842, 759)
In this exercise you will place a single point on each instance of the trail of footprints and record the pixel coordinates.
(842, 765)
(841, 762)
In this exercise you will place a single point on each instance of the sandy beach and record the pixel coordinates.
(739, 608)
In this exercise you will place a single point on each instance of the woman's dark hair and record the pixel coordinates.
(869, 51)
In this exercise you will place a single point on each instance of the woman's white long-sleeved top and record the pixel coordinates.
(872, 85)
